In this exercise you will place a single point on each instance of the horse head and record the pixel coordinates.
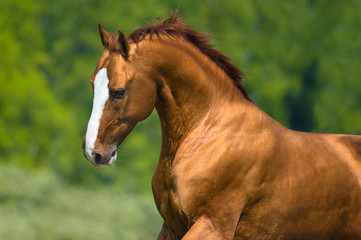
(122, 96)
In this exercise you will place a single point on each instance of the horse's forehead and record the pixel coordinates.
(118, 71)
(116, 67)
(108, 59)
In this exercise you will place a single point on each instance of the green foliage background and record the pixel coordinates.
(303, 65)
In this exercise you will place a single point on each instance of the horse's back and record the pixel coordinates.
(315, 192)
(349, 147)
(352, 144)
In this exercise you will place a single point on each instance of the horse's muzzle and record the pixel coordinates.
(99, 159)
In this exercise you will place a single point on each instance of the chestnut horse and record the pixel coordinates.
(226, 169)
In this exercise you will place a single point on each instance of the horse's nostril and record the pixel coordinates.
(97, 158)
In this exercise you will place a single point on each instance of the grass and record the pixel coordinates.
(39, 205)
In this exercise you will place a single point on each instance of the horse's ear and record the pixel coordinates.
(104, 36)
(124, 44)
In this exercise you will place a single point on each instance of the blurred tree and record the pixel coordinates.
(34, 126)
(300, 104)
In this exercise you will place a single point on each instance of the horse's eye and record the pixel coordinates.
(118, 94)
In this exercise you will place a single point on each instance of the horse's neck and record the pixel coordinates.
(192, 90)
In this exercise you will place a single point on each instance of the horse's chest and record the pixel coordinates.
(169, 203)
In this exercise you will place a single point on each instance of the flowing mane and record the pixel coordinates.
(175, 26)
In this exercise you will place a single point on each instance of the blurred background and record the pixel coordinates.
(303, 65)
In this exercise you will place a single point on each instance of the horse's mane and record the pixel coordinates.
(175, 26)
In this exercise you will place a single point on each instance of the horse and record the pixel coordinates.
(226, 169)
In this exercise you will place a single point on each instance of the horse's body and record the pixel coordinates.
(226, 170)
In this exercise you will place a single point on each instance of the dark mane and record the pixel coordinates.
(175, 26)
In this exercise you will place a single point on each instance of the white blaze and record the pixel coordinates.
(101, 95)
